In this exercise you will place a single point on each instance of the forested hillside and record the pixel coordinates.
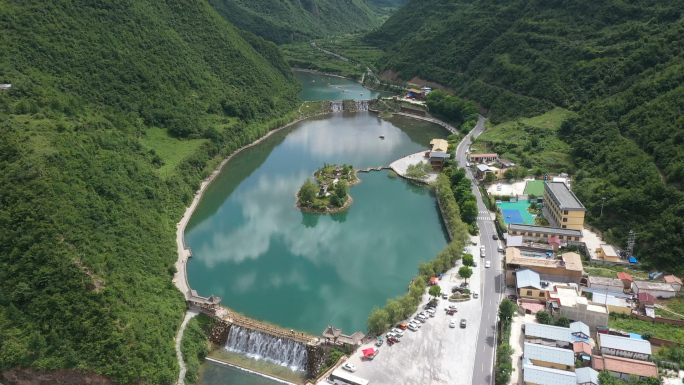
(87, 220)
(295, 20)
(618, 63)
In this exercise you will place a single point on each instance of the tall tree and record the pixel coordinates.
(307, 193)
(465, 272)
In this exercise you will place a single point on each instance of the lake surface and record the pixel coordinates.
(315, 88)
(270, 261)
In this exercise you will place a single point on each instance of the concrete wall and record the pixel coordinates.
(619, 309)
(626, 354)
(532, 293)
(655, 293)
(592, 319)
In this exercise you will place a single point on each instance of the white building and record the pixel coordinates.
(656, 289)
(604, 283)
(624, 347)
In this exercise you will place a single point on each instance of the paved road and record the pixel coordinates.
(492, 282)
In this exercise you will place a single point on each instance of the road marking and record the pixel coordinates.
(483, 366)
(483, 348)
(488, 316)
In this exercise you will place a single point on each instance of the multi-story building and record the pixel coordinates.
(535, 233)
(561, 206)
(567, 269)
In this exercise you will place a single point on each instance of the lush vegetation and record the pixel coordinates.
(459, 112)
(403, 306)
(608, 378)
(297, 20)
(658, 330)
(304, 56)
(419, 170)
(92, 187)
(618, 64)
(195, 346)
(334, 180)
(530, 142)
(504, 351)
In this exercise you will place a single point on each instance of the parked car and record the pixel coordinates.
(415, 323)
(463, 323)
(500, 249)
(413, 327)
(451, 307)
(495, 237)
(431, 304)
(482, 253)
(390, 335)
(465, 285)
(445, 296)
(512, 297)
(421, 318)
(398, 331)
(452, 324)
(474, 263)
(349, 367)
(431, 312)
(487, 264)
(451, 312)
(475, 295)
(402, 326)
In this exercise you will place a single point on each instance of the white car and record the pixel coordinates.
(475, 295)
(413, 327)
(431, 311)
(452, 307)
(452, 324)
(397, 331)
(415, 323)
(487, 264)
(352, 368)
(421, 318)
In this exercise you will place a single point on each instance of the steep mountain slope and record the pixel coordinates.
(87, 224)
(291, 20)
(618, 63)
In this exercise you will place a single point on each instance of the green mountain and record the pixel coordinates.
(285, 21)
(116, 112)
(618, 63)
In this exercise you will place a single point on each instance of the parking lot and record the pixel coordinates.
(435, 353)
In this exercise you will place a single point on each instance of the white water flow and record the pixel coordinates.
(262, 346)
(362, 105)
(336, 106)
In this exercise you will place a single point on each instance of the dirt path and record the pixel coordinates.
(179, 354)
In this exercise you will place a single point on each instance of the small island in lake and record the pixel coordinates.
(328, 192)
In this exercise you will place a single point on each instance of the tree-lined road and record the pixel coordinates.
(492, 278)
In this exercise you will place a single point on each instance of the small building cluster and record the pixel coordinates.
(556, 355)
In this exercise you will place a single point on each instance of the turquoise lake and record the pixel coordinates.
(315, 88)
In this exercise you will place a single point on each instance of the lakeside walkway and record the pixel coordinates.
(448, 126)
(400, 166)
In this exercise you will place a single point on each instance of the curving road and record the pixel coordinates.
(492, 287)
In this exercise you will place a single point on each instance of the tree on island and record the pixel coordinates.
(435, 291)
(468, 260)
(307, 193)
(465, 272)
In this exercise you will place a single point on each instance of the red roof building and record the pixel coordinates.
(646, 299)
(581, 347)
(626, 279)
(623, 367)
(674, 281)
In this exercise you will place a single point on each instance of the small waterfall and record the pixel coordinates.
(362, 105)
(262, 346)
(336, 106)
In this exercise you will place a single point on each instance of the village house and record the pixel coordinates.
(656, 289)
(626, 280)
(624, 368)
(675, 282)
(539, 375)
(607, 253)
(549, 356)
(567, 269)
(561, 206)
(614, 302)
(529, 285)
(483, 158)
(439, 145)
(505, 163)
(645, 299)
(535, 233)
(624, 346)
(567, 301)
(605, 283)
(557, 336)
(582, 350)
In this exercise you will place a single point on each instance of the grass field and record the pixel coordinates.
(535, 187)
(664, 331)
(171, 150)
(530, 142)
(304, 56)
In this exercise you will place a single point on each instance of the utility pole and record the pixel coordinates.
(603, 200)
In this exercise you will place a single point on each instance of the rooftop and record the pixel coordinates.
(513, 257)
(607, 299)
(672, 279)
(585, 375)
(609, 251)
(491, 155)
(624, 343)
(581, 347)
(573, 261)
(545, 229)
(624, 365)
(549, 332)
(649, 285)
(549, 354)
(579, 327)
(533, 374)
(436, 154)
(527, 278)
(624, 276)
(605, 281)
(439, 145)
(565, 199)
(194, 297)
(506, 162)
(646, 297)
(331, 332)
(483, 167)
(566, 295)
